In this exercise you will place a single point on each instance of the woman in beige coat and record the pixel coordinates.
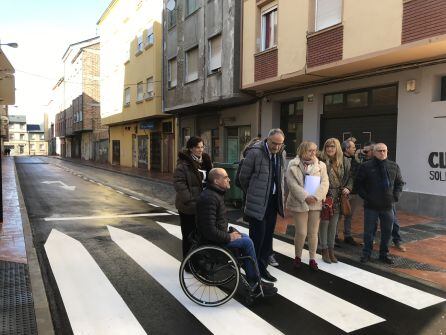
(306, 208)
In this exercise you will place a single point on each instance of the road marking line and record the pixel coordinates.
(164, 269)
(171, 212)
(119, 192)
(340, 313)
(131, 196)
(105, 216)
(92, 303)
(149, 203)
(391, 289)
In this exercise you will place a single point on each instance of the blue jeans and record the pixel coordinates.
(246, 247)
(370, 224)
(396, 237)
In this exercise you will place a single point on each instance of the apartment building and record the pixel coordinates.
(374, 70)
(37, 143)
(79, 88)
(202, 76)
(18, 136)
(141, 135)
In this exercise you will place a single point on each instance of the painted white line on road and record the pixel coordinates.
(338, 312)
(93, 305)
(172, 212)
(119, 192)
(105, 216)
(389, 288)
(149, 203)
(131, 196)
(230, 318)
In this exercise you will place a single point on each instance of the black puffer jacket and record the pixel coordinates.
(188, 181)
(212, 226)
(369, 184)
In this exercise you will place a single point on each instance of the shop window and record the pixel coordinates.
(127, 96)
(291, 122)
(358, 99)
(192, 65)
(139, 91)
(269, 29)
(215, 54)
(191, 6)
(172, 73)
(327, 13)
(385, 96)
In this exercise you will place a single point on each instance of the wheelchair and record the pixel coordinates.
(210, 275)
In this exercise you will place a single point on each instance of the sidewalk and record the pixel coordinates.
(424, 237)
(23, 304)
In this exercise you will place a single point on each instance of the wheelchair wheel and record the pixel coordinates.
(209, 275)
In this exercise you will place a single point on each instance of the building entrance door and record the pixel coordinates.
(116, 152)
(155, 151)
(142, 152)
(134, 151)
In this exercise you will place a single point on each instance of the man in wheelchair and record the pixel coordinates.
(212, 228)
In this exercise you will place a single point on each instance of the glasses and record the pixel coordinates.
(275, 144)
(381, 150)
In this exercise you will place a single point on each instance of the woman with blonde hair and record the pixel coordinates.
(340, 183)
(305, 206)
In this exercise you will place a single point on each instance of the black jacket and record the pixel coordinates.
(188, 181)
(212, 226)
(369, 184)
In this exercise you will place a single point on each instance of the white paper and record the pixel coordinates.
(311, 184)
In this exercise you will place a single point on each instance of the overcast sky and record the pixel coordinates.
(43, 29)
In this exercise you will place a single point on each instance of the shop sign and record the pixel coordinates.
(150, 125)
(437, 160)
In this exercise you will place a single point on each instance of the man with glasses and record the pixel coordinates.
(379, 183)
(262, 179)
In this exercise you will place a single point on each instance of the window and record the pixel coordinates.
(172, 73)
(140, 46)
(21, 149)
(34, 137)
(215, 54)
(139, 91)
(191, 6)
(22, 126)
(269, 29)
(192, 65)
(41, 147)
(127, 96)
(150, 36)
(11, 137)
(328, 13)
(11, 126)
(385, 96)
(171, 18)
(149, 92)
(291, 122)
(33, 147)
(359, 99)
(22, 137)
(42, 136)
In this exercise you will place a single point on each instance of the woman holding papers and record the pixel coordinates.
(307, 182)
(341, 182)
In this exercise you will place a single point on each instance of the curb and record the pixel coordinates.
(41, 307)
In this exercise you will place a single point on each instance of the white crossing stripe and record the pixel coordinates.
(149, 203)
(327, 306)
(391, 289)
(105, 216)
(93, 305)
(119, 192)
(172, 212)
(230, 318)
(131, 196)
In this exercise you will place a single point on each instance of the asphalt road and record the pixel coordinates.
(126, 282)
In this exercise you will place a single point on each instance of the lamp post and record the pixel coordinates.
(12, 45)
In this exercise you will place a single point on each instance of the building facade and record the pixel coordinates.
(202, 76)
(372, 70)
(37, 143)
(17, 142)
(140, 134)
(79, 89)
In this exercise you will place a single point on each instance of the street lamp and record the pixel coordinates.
(11, 45)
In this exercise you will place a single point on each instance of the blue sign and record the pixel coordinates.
(147, 125)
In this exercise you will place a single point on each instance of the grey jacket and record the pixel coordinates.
(255, 179)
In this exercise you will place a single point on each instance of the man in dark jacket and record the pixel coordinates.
(379, 183)
(212, 226)
(261, 178)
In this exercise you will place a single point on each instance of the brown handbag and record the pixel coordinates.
(346, 208)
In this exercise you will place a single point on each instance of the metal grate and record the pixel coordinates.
(16, 302)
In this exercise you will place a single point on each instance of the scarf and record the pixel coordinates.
(197, 159)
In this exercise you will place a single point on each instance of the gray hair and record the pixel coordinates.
(214, 174)
(276, 131)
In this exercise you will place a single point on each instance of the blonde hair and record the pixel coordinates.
(304, 147)
(338, 159)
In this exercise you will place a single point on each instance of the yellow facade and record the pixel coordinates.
(371, 39)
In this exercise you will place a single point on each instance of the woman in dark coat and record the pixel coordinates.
(190, 178)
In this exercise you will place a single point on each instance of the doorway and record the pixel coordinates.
(116, 152)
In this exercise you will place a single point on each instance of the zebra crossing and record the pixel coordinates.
(94, 306)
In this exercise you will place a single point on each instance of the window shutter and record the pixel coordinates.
(328, 13)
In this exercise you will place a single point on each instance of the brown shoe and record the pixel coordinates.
(332, 255)
(325, 256)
